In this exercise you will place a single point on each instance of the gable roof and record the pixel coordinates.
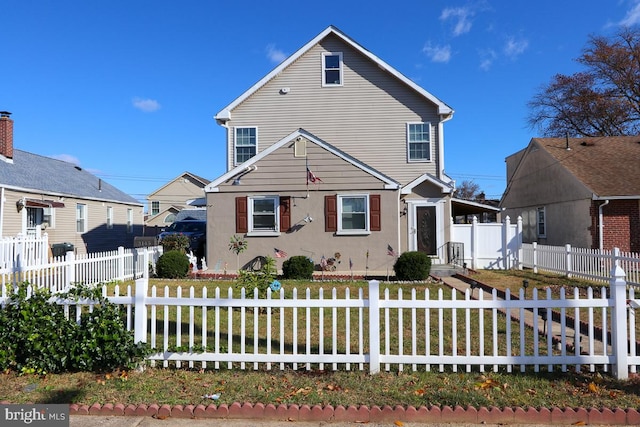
(249, 164)
(608, 166)
(195, 177)
(39, 174)
(445, 187)
(225, 113)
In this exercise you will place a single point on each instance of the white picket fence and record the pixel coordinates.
(379, 331)
(591, 264)
(26, 259)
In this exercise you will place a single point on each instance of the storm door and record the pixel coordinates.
(426, 229)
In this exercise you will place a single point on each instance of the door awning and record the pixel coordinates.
(38, 203)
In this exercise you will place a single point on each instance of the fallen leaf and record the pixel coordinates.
(593, 388)
(579, 423)
(398, 423)
(419, 392)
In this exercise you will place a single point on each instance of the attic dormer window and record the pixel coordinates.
(332, 69)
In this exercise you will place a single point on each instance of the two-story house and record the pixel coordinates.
(333, 154)
(41, 194)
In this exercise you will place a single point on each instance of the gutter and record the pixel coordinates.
(2, 205)
(601, 225)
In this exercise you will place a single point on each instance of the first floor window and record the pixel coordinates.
(49, 217)
(353, 213)
(155, 207)
(109, 217)
(263, 213)
(419, 142)
(542, 226)
(81, 218)
(246, 143)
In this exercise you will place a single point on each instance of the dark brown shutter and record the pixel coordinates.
(375, 220)
(330, 213)
(242, 215)
(285, 213)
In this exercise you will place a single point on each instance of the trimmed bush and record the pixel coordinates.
(173, 265)
(297, 267)
(412, 265)
(175, 242)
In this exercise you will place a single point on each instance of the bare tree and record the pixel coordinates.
(468, 190)
(603, 100)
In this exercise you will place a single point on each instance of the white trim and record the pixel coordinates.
(367, 213)
(250, 213)
(429, 141)
(412, 228)
(249, 165)
(446, 188)
(340, 69)
(225, 114)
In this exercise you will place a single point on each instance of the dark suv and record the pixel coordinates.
(195, 230)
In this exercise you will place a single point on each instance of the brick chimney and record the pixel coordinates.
(6, 135)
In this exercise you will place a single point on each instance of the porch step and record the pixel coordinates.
(445, 270)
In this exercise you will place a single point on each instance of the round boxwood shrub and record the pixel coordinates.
(297, 267)
(173, 265)
(412, 265)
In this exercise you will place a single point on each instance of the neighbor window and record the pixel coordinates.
(129, 220)
(542, 223)
(353, 213)
(49, 217)
(155, 207)
(246, 143)
(263, 214)
(169, 218)
(109, 217)
(81, 218)
(331, 69)
(419, 142)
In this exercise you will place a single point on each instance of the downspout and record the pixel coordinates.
(441, 145)
(2, 200)
(601, 225)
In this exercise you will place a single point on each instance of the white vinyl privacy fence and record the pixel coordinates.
(394, 328)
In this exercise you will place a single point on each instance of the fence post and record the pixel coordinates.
(567, 249)
(140, 311)
(70, 260)
(506, 226)
(474, 242)
(145, 260)
(534, 246)
(618, 287)
(374, 326)
(121, 263)
(520, 251)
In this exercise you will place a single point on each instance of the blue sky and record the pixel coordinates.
(128, 89)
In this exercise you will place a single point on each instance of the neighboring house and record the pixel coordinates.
(73, 206)
(184, 191)
(579, 191)
(333, 152)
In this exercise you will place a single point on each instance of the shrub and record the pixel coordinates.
(172, 265)
(297, 267)
(260, 279)
(412, 265)
(175, 242)
(38, 338)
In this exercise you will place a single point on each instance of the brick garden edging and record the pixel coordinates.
(422, 414)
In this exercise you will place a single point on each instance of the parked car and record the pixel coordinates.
(195, 230)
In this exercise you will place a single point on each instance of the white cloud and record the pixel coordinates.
(67, 158)
(633, 16)
(486, 59)
(275, 55)
(462, 16)
(515, 47)
(437, 53)
(146, 105)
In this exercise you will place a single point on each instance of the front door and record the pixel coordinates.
(426, 229)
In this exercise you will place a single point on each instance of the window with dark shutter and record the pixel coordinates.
(330, 213)
(375, 220)
(285, 213)
(242, 218)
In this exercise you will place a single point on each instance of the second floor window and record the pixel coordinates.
(331, 69)
(542, 222)
(246, 143)
(419, 142)
(155, 207)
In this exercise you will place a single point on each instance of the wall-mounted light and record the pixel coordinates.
(403, 211)
(308, 219)
(20, 205)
